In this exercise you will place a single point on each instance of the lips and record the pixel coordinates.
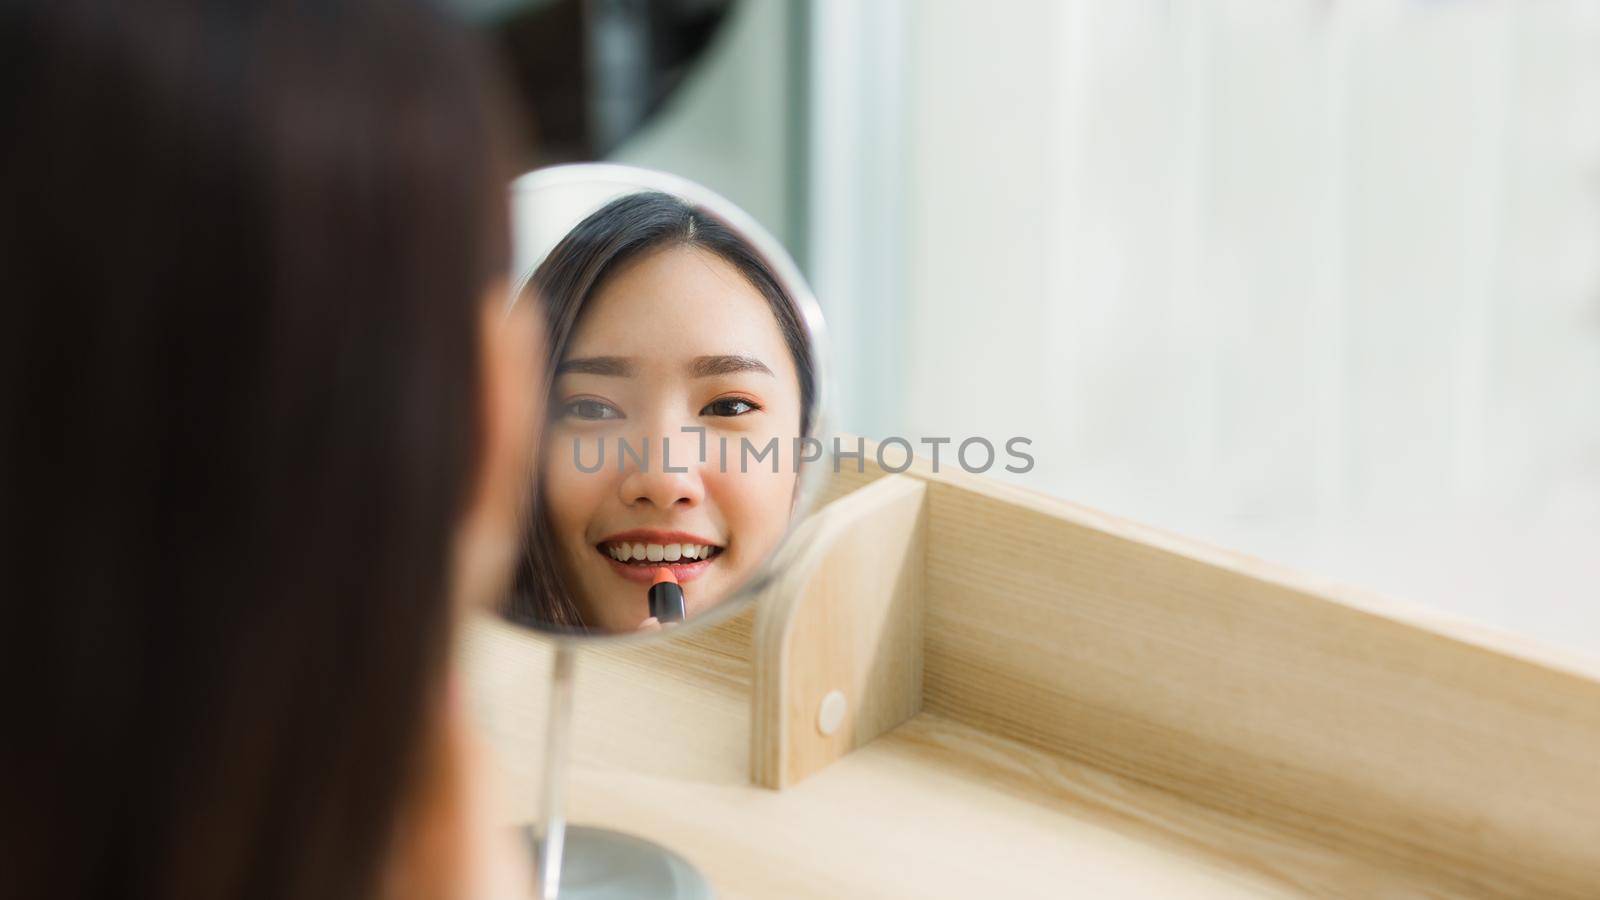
(638, 553)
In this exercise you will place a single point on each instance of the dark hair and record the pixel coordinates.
(242, 256)
(621, 231)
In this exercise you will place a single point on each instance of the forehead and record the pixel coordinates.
(677, 303)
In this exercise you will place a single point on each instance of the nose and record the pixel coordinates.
(659, 482)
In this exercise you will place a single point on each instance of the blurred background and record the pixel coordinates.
(1313, 279)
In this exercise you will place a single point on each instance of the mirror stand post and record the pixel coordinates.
(557, 749)
(600, 864)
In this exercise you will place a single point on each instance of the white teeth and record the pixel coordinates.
(626, 552)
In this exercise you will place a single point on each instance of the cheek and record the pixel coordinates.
(571, 497)
(755, 506)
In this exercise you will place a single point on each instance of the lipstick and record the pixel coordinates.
(666, 597)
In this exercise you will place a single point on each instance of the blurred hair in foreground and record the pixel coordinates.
(242, 252)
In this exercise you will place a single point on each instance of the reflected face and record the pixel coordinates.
(675, 339)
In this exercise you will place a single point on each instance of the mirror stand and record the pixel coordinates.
(572, 224)
(583, 863)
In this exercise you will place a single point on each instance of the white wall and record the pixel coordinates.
(1319, 280)
(1316, 279)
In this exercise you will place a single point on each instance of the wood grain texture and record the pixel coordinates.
(846, 480)
(1108, 710)
(845, 616)
(1261, 694)
(935, 808)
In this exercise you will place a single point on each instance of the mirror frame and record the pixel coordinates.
(811, 477)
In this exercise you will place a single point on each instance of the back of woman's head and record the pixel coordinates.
(241, 257)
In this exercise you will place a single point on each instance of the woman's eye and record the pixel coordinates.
(589, 408)
(729, 406)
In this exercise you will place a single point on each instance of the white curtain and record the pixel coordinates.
(1314, 279)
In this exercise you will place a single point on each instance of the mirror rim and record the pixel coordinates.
(789, 274)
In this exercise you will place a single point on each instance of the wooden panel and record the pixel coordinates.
(1109, 708)
(934, 809)
(845, 480)
(843, 618)
(1252, 691)
(677, 709)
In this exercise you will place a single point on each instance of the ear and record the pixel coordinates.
(511, 405)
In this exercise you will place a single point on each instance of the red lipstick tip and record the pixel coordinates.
(664, 574)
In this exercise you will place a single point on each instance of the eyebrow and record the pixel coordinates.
(596, 365)
(708, 366)
(623, 367)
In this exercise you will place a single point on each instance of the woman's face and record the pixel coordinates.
(676, 339)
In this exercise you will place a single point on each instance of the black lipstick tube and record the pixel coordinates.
(666, 600)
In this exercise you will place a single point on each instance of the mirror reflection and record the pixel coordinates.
(683, 379)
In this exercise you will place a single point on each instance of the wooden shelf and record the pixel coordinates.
(1074, 704)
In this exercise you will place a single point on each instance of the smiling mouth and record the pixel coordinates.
(643, 554)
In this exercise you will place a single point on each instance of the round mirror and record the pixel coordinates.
(683, 430)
